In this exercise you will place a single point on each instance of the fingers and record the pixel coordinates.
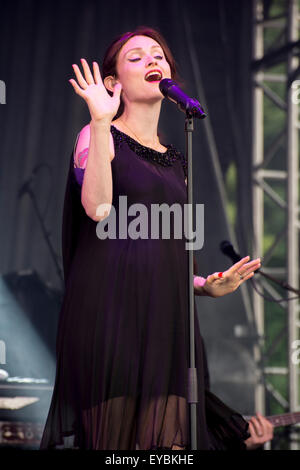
(117, 90)
(243, 268)
(231, 279)
(212, 277)
(82, 82)
(243, 263)
(88, 78)
(252, 265)
(87, 72)
(252, 430)
(248, 276)
(250, 270)
(266, 425)
(240, 263)
(77, 88)
(262, 428)
(97, 74)
(257, 427)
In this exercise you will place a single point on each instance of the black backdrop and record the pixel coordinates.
(211, 41)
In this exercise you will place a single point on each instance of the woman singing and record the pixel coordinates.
(122, 343)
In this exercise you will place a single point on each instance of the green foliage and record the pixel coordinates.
(231, 186)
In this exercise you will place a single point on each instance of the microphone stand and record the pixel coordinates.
(282, 284)
(45, 233)
(192, 376)
(192, 372)
(191, 108)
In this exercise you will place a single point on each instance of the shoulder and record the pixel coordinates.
(82, 144)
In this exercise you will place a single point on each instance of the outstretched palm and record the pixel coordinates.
(90, 87)
(216, 286)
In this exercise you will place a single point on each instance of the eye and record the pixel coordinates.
(158, 57)
(134, 60)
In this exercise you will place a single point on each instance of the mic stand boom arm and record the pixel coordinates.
(46, 234)
(282, 284)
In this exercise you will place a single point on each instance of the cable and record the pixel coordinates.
(270, 299)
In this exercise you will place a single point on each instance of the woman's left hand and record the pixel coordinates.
(217, 286)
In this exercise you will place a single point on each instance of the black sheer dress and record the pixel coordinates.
(122, 342)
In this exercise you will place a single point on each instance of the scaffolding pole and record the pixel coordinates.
(267, 178)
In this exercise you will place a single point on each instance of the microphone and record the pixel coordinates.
(188, 105)
(228, 250)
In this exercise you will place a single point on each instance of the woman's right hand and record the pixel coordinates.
(102, 106)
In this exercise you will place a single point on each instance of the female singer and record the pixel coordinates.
(122, 344)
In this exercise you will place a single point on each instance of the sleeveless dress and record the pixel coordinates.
(122, 340)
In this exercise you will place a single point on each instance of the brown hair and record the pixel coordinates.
(109, 65)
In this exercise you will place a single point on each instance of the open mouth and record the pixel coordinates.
(153, 76)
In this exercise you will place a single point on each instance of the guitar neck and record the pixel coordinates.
(285, 419)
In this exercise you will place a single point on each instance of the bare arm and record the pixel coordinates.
(94, 153)
(97, 182)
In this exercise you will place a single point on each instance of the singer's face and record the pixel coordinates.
(139, 56)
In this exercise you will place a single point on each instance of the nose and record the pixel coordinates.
(150, 61)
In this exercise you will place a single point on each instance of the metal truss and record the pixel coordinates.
(275, 159)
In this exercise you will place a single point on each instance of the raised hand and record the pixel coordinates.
(216, 286)
(90, 87)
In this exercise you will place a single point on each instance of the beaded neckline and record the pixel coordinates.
(126, 136)
(166, 158)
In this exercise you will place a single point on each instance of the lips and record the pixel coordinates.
(154, 75)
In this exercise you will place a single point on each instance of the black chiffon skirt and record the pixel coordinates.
(123, 340)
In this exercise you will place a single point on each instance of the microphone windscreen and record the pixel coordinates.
(165, 84)
(224, 245)
(228, 250)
